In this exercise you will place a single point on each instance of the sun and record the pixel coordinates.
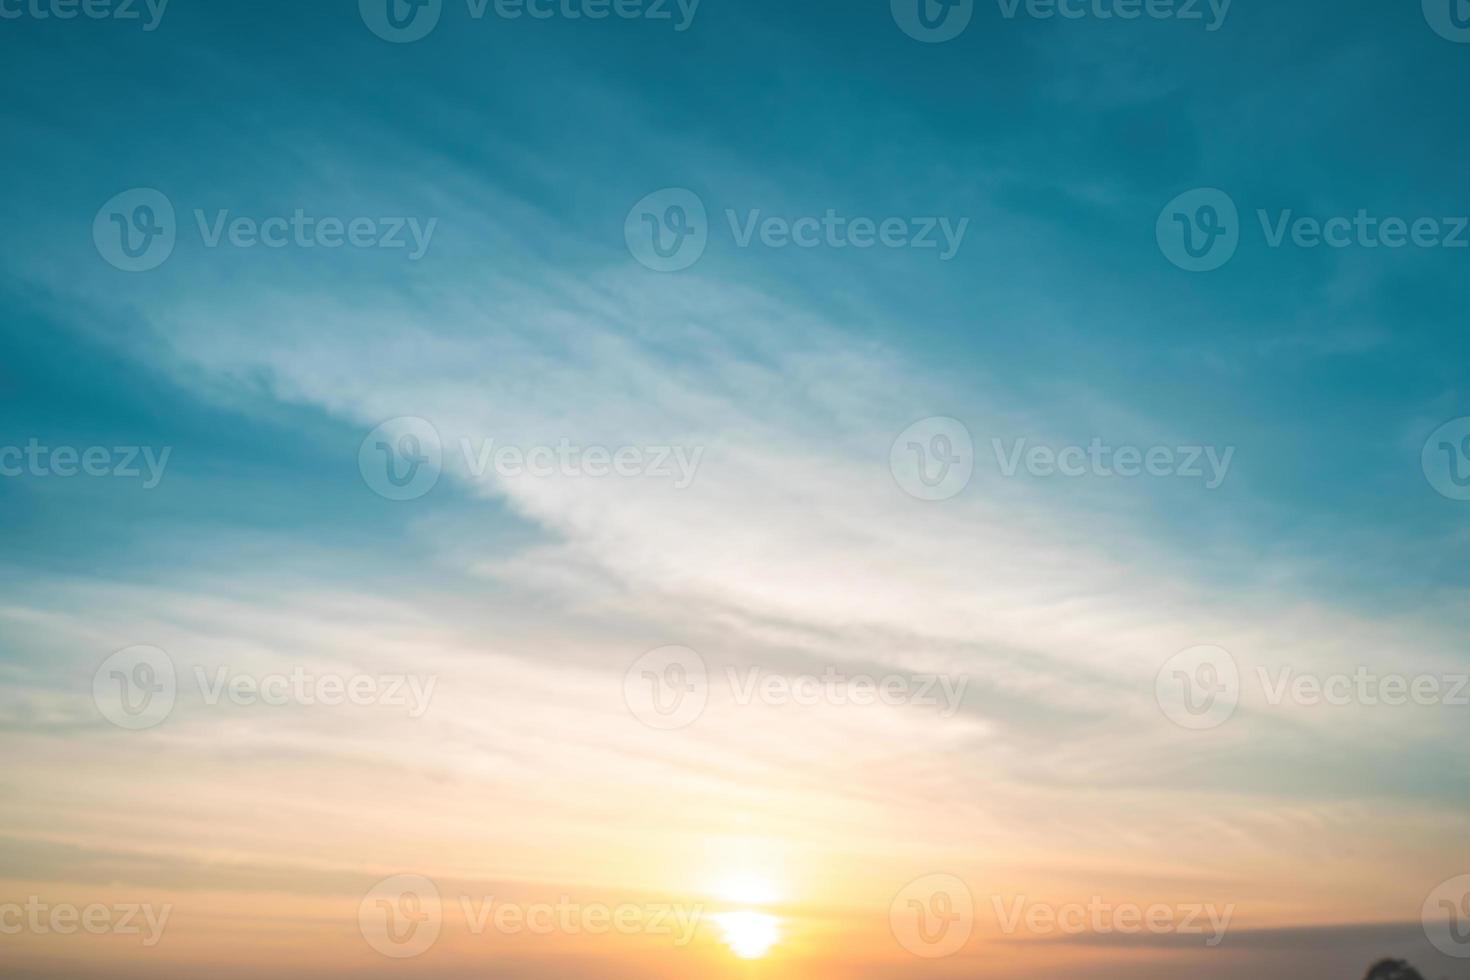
(750, 935)
(746, 888)
(748, 932)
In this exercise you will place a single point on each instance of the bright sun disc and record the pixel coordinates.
(746, 889)
(750, 935)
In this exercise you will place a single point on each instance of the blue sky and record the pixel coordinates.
(1059, 139)
(1059, 320)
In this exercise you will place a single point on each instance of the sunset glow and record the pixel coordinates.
(750, 935)
(734, 490)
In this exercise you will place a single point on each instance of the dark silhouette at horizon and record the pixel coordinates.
(1391, 969)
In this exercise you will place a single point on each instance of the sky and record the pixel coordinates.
(852, 490)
